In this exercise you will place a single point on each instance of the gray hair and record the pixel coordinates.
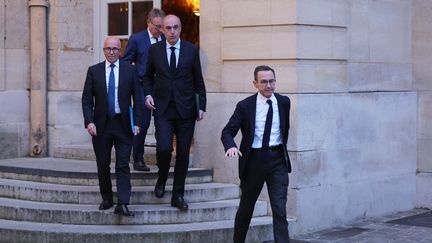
(155, 13)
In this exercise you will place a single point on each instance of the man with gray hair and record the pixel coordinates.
(137, 52)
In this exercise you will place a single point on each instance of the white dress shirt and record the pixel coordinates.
(116, 77)
(260, 118)
(177, 51)
(152, 38)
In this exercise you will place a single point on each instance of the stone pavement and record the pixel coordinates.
(404, 227)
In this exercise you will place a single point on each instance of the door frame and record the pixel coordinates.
(100, 26)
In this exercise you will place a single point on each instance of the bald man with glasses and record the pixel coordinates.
(108, 90)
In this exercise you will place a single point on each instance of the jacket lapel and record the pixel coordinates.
(252, 114)
(282, 114)
(181, 55)
(147, 38)
(120, 83)
(163, 53)
(101, 72)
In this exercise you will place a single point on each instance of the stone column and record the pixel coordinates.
(38, 77)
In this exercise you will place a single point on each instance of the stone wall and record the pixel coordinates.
(14, 79)
(357, 73)
(422, 82)
(346, 65)
(70, 54)
(70, 44)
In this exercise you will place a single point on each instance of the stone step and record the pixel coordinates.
(208, 232)
(21, 210)
(58, 193)
(82, 172)
(85, 152)
(56, 200)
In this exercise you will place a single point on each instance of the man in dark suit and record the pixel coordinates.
(263, 119)
(178, 99)
(106, 99)
(137, 52)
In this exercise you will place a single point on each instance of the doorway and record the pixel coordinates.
(188, 12)
(122, 18)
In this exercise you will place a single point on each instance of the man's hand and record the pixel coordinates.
(200, 115)
(149, 103)
(91, 129)
(136, 130)
(233, 152)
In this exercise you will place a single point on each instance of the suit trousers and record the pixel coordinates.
(263, 166)
(167, 125)
(114, 134)
(139, 139)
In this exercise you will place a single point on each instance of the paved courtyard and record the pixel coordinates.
(404, 227)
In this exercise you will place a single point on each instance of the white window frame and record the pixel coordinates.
(100, 26)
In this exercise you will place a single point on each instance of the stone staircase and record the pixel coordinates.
(84, 151)
(56, 200)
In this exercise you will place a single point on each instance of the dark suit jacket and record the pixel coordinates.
(244, 119)
(95, 96)
(137, 50)
(181, 86)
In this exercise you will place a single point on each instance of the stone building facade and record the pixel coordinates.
(357, 72)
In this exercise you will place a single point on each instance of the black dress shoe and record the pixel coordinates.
(123, 210)
(160, 188)
(179, 203)
(106, 204)
(140, 166)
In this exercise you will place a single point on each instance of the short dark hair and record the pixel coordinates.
(155, 13)
(263, 68)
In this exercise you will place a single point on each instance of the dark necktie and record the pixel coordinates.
(111, 91)
(268, 124)
(156, 39)
(172, 60)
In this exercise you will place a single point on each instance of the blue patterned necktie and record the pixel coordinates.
(268, 124)
(111, 92)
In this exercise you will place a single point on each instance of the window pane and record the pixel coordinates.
(123, 43)
(118, 19)
(139, 15)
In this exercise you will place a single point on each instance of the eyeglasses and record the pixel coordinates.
(266, 82)
(158, 26)
(174, 27)
(113, 50)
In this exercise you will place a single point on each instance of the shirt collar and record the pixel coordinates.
(151, 36)
(177, 45)
(107, 64)
(262, 99)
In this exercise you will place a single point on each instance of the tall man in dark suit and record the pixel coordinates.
(137, 52)
(106, 98)
(263, 119)
(174, 72)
